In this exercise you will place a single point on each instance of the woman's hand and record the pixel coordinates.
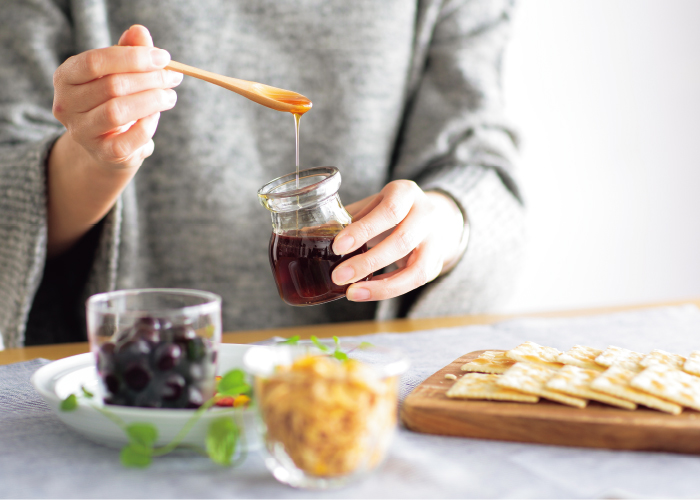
(110, 102)
(110, 99)
(416, 230)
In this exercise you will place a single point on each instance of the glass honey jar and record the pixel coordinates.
(307, 214)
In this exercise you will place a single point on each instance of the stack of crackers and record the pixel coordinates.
(614, 376)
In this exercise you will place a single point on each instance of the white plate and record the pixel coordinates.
(59, 379)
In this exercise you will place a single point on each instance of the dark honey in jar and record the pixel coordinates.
(305, 221)
(302, 266)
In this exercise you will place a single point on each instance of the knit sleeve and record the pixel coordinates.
(455, 139)
(34, 36)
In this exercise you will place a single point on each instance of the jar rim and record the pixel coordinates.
(303, 196)
(268, 190)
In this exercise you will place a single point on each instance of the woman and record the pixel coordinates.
(406, 102)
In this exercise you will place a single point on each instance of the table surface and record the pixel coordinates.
(58, 351)
(40, 457)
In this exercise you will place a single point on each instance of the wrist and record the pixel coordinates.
(456, 227)
(67, 154)
(80, 192)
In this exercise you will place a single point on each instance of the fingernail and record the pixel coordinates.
(170, 97)
(175, 77)
(159, 57)
(342, 245)
(358, 294)
(343, 274)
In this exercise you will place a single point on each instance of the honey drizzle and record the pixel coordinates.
(297, 118)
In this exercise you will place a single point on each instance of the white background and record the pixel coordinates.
(606, 95)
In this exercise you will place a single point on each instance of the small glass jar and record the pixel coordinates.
(325, 421)
(155, 348)
(307, 214)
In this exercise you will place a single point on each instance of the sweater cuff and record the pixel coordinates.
(22, 232)
(484, 277)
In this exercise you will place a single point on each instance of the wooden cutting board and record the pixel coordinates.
(428, 410)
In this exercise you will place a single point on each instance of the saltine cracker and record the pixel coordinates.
(483, 386)
(692, 364)
(670, 383)
(529, 352)
(489, 362)
(616, 382)
(576, 381)
(619, 356)
(531, 378)
(659, 357)
(582, 356)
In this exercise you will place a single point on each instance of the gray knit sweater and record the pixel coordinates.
(401, 89)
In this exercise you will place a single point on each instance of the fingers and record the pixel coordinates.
(88, 66)
(90, 95)
(120, 111)
(136, 35)
(424, 265)
(130, 148)
(110, 99)
(402, 241)
(396, 201)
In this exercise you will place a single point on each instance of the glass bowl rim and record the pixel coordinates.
(390, 368)
(99, 302)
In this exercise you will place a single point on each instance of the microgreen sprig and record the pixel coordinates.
(223, 435)
(337, 353)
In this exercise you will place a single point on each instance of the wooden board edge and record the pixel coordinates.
(598, 427)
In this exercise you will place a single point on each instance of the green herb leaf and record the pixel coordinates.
(320, 345)
(133, 455)
(231, 379)
(235, 390)
(222, 438)
(338, 354)
(291, 340)
(365, 345)
(143, 435)
(87, 393)
(337, 341)
(233, 383)
(70, 403)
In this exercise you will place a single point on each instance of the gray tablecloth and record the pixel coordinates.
(40, 457)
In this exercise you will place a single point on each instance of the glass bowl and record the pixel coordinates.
(155, 348)
(325, 420)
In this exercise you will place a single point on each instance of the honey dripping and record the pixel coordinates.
(300, 105)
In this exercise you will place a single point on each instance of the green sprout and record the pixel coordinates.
(223, 434)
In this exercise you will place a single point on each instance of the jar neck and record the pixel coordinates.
(291, 193)
(327, 218)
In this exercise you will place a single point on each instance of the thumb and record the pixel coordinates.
(135, 36)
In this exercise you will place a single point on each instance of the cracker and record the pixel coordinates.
(483, 386)
(670, 383)
(692, 364)
(531, 379)
(489, 362)
(659, 357)
(618, 356)
(529, 352)
(582, 356)
(616, 382)
(576, 381)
